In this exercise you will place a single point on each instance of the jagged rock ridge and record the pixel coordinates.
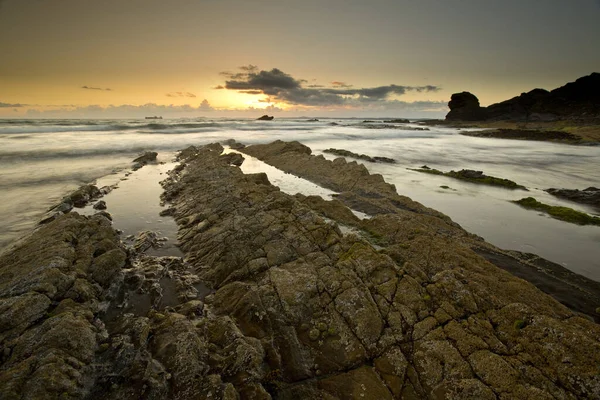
(401, 309)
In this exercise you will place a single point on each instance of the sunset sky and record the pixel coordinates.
(190, 58)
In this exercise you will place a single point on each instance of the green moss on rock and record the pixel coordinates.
(558, 212)
(471, 176)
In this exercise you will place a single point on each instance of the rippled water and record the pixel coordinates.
(42, 160)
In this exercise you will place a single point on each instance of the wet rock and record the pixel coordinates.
(106, 266)
(400, 308)
(187, 152)
(64, 207)
(146, 240)
(233, 144)
(234, 159)
(49, 217)
(147, 157)
(590, 195)
(265, 118)
(470, 175)
(405, 309)
(48, 308)
(82, 196)
(167, 212)
(103, 215)
(100, 205)
(346, 153)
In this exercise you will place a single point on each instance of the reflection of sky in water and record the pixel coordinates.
(49, 160)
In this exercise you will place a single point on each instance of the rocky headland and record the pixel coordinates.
(289, 297)
(570, 113)
(575, 100)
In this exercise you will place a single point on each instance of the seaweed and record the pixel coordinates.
(558, 212)
(472, 176)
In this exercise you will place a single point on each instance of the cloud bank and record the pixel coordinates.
(284, 88)
(11, 105)
(122, 111)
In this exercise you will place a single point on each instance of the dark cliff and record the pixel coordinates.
(575, 100)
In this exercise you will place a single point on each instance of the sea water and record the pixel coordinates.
(42, 160)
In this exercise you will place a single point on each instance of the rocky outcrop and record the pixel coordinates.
(579, 100)
(346, 153)
(590, 195)
(144, 159)
(52, 290)
(465, 107)
(400, 307)
(472, 176)
(265, 118)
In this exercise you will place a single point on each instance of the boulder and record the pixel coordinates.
(265, 118)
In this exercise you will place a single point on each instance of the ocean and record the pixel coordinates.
(43, 160)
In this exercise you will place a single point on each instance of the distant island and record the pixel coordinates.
(265, 118)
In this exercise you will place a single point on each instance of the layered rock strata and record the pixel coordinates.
(401, 308)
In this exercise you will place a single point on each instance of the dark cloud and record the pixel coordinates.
(381, 92)
(11, 105)
(95, 88)
(219, 87)
(269, 82)
(340, 84)
(282, 87)
(181, 94)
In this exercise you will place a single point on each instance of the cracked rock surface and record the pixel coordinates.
(401, 308)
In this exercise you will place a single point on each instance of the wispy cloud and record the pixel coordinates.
(284, 88)
(11, 105)
(95, 88)
(181, 94)
(340, 84)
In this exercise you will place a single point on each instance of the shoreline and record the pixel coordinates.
(296, 307)
(562, 131)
